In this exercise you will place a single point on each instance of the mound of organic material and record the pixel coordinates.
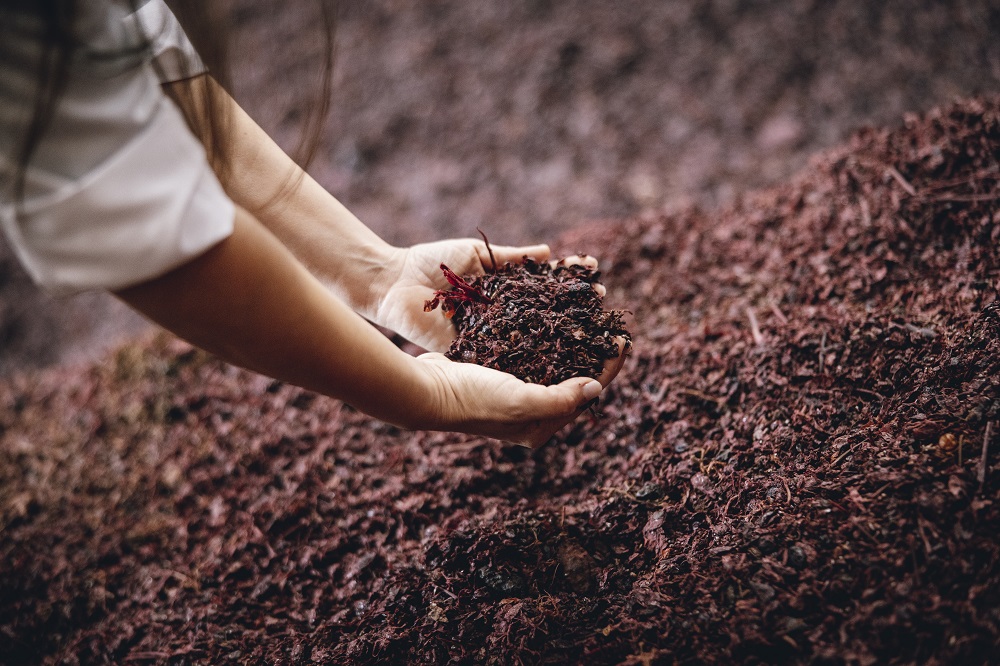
(799, 464)
(541, 323)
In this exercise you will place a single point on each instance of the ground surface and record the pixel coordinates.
(798, 464)
(531, 117)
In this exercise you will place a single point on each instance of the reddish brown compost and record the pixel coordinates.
(541, 323)
(799, 464)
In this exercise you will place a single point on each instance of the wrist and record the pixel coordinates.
(422, 404)
(361, 279)
(386, 267)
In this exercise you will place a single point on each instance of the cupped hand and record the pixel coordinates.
(476, 400)
(413, 275)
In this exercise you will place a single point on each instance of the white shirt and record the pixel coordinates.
(118, 190)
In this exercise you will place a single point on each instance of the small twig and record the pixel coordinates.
(981, 476)
(905, 184)
(969, 198)
(843, 455)
(856, 522)
(868, 394)
(725, 510)
(701, 396)
(758, 339)
(866, 213)
(973, 179)
(448, 592)
(879, 491)
(928, 549)
(927, 332)
(779, 314)
(822, 352)
(662, 393)
(916, 566)
(148, 654)
(462, 447)
(489, 249)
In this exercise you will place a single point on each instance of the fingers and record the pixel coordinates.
(579, 393)
(576, 395)
(613, 366)
(584, 260)
(564, 403)
(505, 253)
(482, 401)
(541, 252)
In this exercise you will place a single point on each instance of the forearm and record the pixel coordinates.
(344, 254)
(249, 301)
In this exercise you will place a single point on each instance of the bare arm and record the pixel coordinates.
(336, 247)
(249, 301)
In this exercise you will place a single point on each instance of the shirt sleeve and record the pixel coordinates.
(175, 56)
(120, 190)
(154, 205)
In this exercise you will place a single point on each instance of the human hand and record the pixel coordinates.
(469, 398)
(413, 275)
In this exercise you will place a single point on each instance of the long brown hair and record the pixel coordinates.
(205, 24)
(57, 20)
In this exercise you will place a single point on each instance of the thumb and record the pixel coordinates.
(578, 392)
(566, 401)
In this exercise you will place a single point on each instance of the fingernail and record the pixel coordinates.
(592, 389)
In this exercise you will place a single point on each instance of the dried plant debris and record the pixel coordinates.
(799, 464)
(540, 323)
